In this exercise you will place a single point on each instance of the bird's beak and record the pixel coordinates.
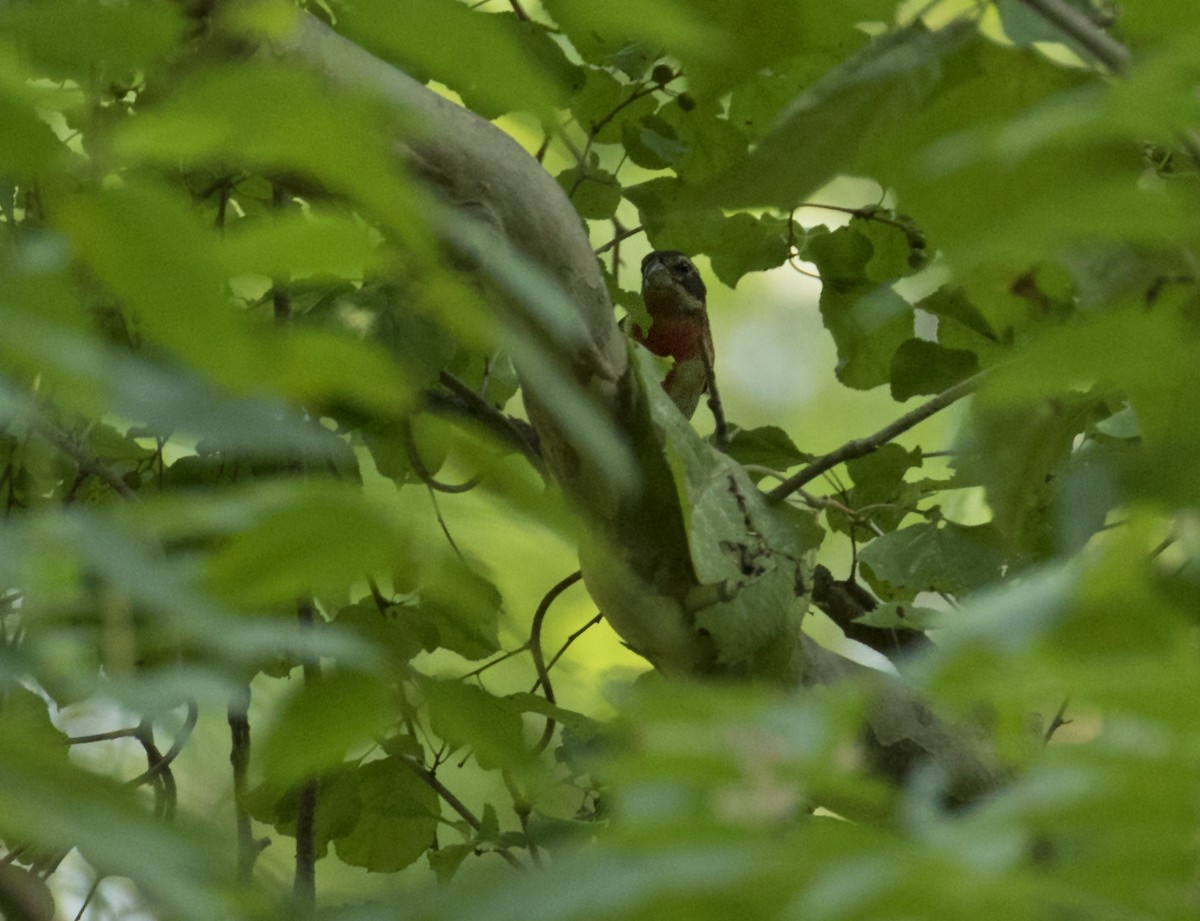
(653, 270)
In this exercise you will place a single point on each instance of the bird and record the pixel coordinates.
(676, 300)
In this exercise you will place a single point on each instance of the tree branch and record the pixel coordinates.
(1076, 25)
(634, 545)
(83, 460)
(861, 447)
(462, 402)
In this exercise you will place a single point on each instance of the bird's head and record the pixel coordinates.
(671, 286)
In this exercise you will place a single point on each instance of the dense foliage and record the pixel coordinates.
(242, 348)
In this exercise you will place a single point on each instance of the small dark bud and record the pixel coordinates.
(662, 74)
(686, 102)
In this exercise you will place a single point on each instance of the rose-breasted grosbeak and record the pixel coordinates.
(674, 295)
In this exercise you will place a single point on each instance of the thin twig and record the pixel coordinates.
(1058, 722)
(87, 899)
(861, 447)
(85, 462)
(130, 733)
(464, 402)
(567, 644)
(866, 213)
(503, 657)
(437, 512)
(423, 474)
(535, 648)
(159, 774)
(304, 888)
(623, 235)
(1076, 25)
(163, 763)
(457, 805)
(248, 848)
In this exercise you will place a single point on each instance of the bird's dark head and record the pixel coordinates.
(671, 284)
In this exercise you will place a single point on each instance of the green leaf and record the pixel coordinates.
(673, 219)
(901, 615)
(767, 446)
(30, 147)
(295, 245)
(461, 606)
(952, 304)
(446, 860)
(844, 113)
(1015, 453)
(276, 118)
(651, 142)
(322, 537)
(320, 722)
(398, 819)
(1025, 25)
(880, 490)
(749, 244)
(921, 367)
(496, 62)
(595, 193)
(614, 34)
(752, 624)
(755, 105)
(50, 805)
(892, 252)
(713, 143)
(75, 38)
(933, 557)
(867, 321)
(391, 629)
(338, 807)
(470, 717)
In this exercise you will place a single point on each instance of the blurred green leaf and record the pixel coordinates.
(847, 111)
(30, 146)
(74, 38)
(496, 62)
(321, 537)
(319, 722)
(296, 246)
(49, 804)
(280, 119)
